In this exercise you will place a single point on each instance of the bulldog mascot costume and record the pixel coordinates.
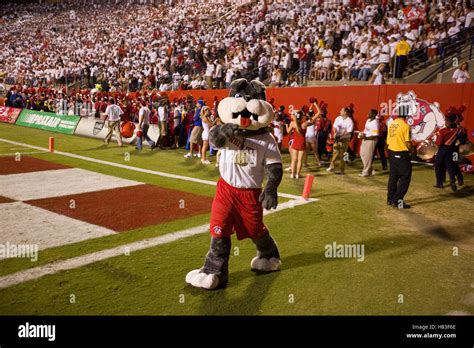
(248, 153)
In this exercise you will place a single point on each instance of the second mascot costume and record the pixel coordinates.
(248, 153)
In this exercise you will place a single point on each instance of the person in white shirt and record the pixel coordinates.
(327, 61)
(343, 128)
(262, 67)
(461, 75)
(228, 77)
(162, 122)
(285, 64)
(143, 126)
(207, 124)
(210, 68)
(469, 18)
(453, 30)
(219, 74)
(377, 77)
(112, 117)
(384, 54)
(369, 140)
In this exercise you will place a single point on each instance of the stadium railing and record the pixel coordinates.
(447, 48)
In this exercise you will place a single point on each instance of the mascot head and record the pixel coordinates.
(246, 105)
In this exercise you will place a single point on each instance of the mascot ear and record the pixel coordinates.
(259, 89)
(237, 85)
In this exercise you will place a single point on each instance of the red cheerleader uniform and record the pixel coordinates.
(298, 141)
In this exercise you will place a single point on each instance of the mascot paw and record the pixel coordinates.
(229, 129)
(269, 200)
(265, 265)
(202, 280)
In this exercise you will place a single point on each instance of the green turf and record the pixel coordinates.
(12, 265)
(408, 253)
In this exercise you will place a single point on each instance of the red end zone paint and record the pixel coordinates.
(6, 200)
(51, 144)
(26, 164)
(308, 183)
(128, 208)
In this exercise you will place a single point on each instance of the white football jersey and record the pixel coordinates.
(243, 159)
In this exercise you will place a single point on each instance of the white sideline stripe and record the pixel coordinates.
(141, 170)
(79, 261)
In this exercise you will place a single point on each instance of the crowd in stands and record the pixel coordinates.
(133, 45)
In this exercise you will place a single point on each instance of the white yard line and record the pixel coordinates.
(76, 262)
(123, 166)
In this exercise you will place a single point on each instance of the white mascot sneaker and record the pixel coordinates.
(265, 265)
(202, 280)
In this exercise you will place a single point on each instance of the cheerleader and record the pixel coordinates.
(297, 143)
(206, 125)
(277, 125)
(310, 137)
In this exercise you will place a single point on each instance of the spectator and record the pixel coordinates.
(343, 128)
(112, 117)
(196, 133)
(142, 49)
(206, 125)
(461, 75)
(143, 126)
(303, 61)
(402, 49)
(369, 140)
(377, 76)
(162, 122)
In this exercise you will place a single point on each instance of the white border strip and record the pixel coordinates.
(79, 261)
(137, 169)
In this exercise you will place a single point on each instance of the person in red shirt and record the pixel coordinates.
(303, 59)
(448, 139)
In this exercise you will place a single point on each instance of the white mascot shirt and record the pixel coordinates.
(243, 159)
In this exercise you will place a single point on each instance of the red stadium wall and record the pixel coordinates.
(364, 98)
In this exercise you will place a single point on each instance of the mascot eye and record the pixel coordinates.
(238, 96)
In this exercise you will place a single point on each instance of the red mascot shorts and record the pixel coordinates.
(237, 210)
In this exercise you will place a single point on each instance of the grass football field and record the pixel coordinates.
(417, 262)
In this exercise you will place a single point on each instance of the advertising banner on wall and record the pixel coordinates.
(48, 121)
(95, 128)
(8, 114)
